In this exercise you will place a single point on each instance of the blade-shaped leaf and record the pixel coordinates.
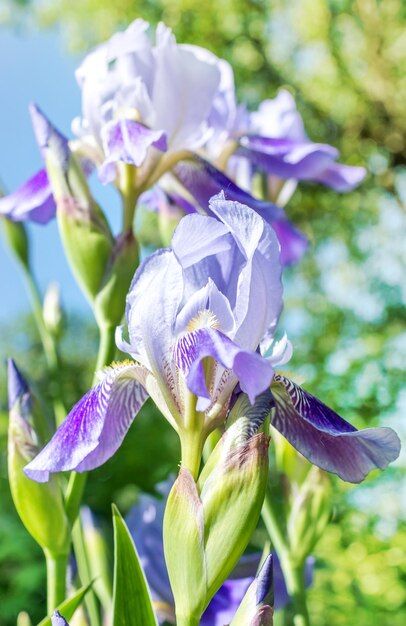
(132, 605)
(69, 606)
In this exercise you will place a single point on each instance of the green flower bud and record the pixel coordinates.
(309, 514)
(16, 236)
(233, 491)
(110, 301)
(52, 311)
(208, 524)
(85, 233)
(183, 533)
(256, 608)
(39, 505)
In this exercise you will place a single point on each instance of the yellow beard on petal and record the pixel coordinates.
(204, 319)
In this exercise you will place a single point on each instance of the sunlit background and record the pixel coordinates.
(345, 305)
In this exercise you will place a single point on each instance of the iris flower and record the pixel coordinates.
(198, 315)
(275, 142)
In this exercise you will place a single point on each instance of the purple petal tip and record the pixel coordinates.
(265, 583)
(48, 137)
(17, 385)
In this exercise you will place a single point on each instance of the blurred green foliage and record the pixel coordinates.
(344, 305)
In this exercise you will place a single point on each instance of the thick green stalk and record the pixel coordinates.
(56, 579)
(293, 572)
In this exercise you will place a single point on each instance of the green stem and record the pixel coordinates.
(56, 579)
(48, 344)
(293, 572)
(129, 195)
(107, 348)
(192, 443)
(84, 572)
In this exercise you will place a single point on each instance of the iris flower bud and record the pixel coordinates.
(123, 261)
(85, 234)
(208, 524)
(39, 505)
(256, 608)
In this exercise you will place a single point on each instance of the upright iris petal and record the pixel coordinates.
(137, 94)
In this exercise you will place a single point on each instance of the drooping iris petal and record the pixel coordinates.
(277, 143)
(32, 201)
(96, 426)
(127, 141)
(252, 371)
(202, 180)
(327, 440)
(342, 177)
(287, 158)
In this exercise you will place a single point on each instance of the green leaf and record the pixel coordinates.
(132, 605)
(69, 606)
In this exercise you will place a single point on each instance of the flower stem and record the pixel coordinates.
(192, 443)
(56, 579)
(84, 572)
(48, 344)
(107, 348)
(292, 571)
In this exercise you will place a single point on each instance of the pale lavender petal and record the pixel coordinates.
(127, 141)
(32, 201)
(183, 91)
(342, 177)
(327, 440)
(253, 372)
(95, 427)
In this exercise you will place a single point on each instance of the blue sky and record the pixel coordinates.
(36, 67)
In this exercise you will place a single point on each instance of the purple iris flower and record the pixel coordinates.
(275, 142)
(137, 95)
(198, 316)
(145, 524)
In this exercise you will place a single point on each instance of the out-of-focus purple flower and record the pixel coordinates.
(212, 296)
(137, 95)
(275, 142)
(145, 524)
